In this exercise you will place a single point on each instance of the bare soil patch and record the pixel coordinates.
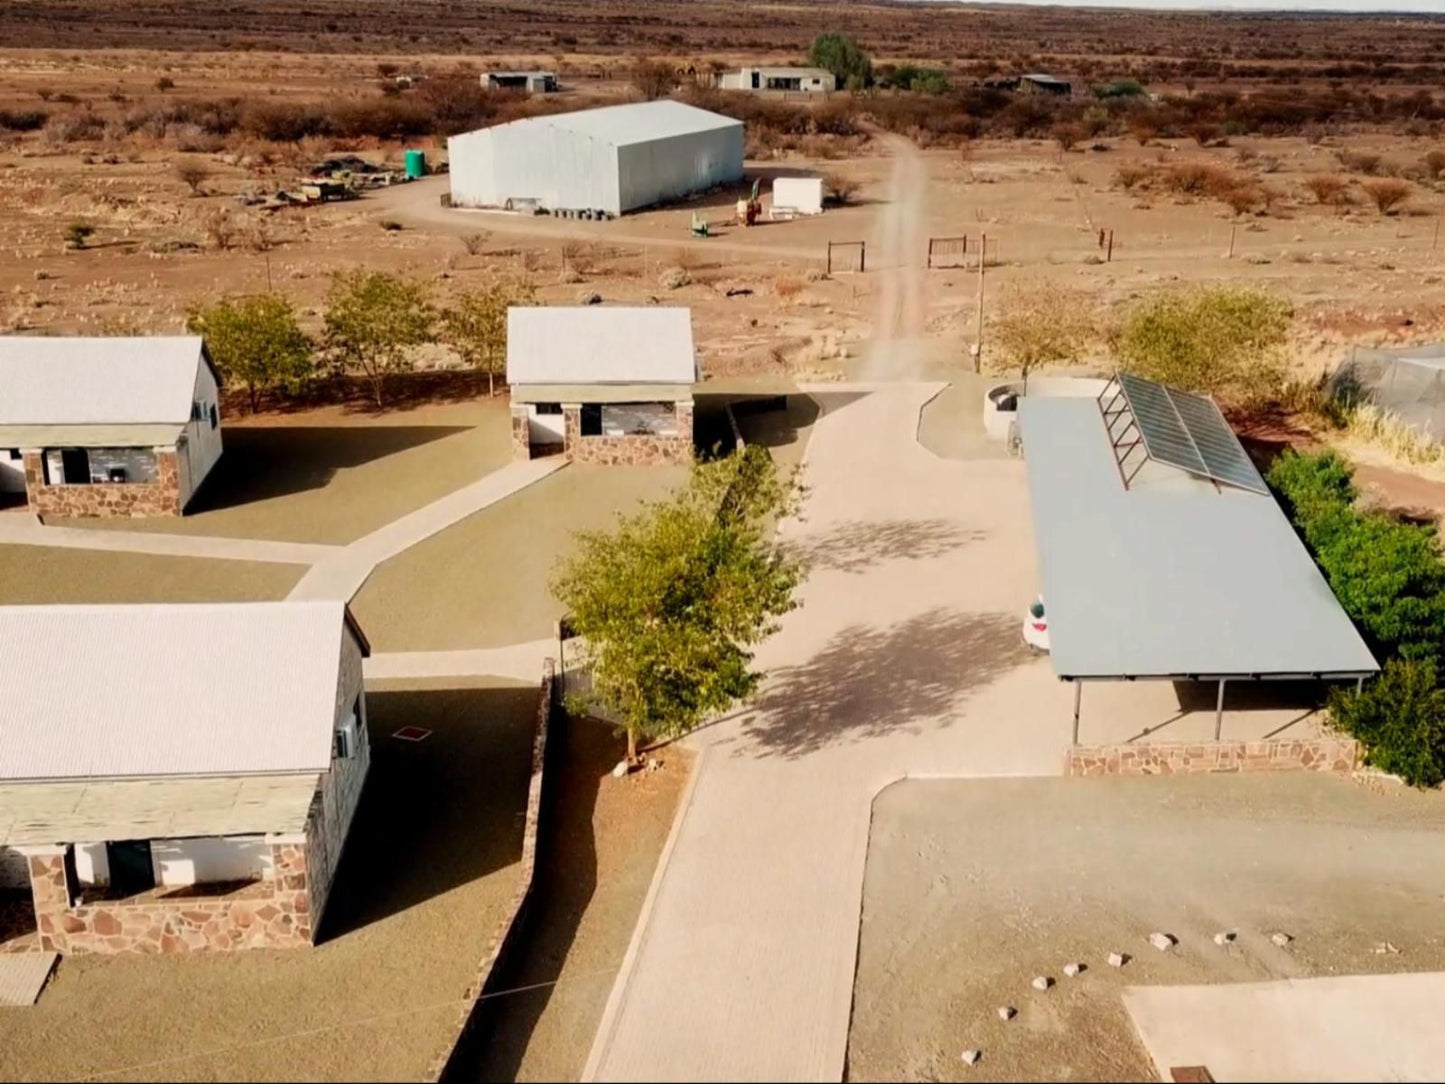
(484, 581)
(39, 575)
(974, 887)
(427, 873)
(331, 475)
(600, 847)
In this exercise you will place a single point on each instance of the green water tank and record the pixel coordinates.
(415, 164)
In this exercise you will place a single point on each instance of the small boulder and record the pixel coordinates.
(674, 278)
(1042, 982)
(1073, 970)
(1117, 959)
(1162, 941)
(589, 297)
(619, 771)
(1224, 937)
(1280, 938)
(970, 1057)
(1007, 1012)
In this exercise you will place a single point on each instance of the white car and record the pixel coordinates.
(1036, 626)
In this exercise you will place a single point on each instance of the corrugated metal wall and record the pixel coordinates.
(667, 169)
(565, 170)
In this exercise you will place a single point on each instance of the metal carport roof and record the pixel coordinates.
(1175, 576)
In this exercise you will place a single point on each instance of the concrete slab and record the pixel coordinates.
(1355, 1027)
(23, 974)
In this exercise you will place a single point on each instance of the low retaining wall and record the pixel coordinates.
(1185, 758)
(512, 922)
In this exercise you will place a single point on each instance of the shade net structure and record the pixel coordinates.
(1408, 382)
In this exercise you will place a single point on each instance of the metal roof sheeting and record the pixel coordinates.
(592, 344)
(1169, 580)
(164, 690)
(97, 381)
(636, 122)
(51, 813)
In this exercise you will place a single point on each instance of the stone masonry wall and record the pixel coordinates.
(521, 434)
(269, 914)
(1315, 755)
(159, 498)
(629, 450)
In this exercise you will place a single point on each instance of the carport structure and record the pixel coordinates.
(1162, 553)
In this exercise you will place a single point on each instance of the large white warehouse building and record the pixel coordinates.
(616, 159)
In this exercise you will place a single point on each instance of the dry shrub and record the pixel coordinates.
(1327, 188)
(838, 189)
(192, 173)
(1196, 178)
(1434, 164)
(787, 289)
(474, 242)
(220, 228)
(23, 120)
(1359, 162)
(1132, 174)
(1387, 193)
(78, 127)
(1067, 135)
(1242, 196)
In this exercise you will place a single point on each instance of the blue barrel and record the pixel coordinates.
(415, 164)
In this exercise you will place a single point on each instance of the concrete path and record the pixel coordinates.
(903, 660)
(340, 575)
(1355, 1027)
(24, 531)
(520, 661)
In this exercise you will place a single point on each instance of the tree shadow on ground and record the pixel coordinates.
(439, 813)
(858, 545)
(264, 462)
(869, 682)
(772, 421)
(583, 752)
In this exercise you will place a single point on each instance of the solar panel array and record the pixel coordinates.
(1188, 432)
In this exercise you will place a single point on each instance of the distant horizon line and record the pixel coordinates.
(1226, 7)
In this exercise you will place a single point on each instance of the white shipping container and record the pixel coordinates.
(803, 195)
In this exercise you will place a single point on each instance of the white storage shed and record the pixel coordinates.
(614, 159)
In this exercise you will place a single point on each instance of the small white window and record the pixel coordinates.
(346, 739)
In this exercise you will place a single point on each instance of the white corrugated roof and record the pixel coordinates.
(97, 381)
(636, 122)
(593, 344)
(162, 690)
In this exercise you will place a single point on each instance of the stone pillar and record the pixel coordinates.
(521, 434)
(50, 893)
(684, 421)
(572, 429)
(292, 891)
(33, 459)
(168, 479)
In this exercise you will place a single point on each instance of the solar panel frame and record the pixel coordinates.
(1188, 432)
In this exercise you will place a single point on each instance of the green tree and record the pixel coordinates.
(842, 55)
(671, 602)
(373, 320)
(1222, 340)
(475, 325)
(1043, 323)
(256, 341)
(1400, 720)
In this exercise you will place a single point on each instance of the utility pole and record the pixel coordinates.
(978, 331)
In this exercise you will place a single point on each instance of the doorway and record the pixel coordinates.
(131, 869)
(75, 466)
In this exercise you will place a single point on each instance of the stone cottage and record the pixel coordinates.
(179, 777)
(126, 426)
(602, 385)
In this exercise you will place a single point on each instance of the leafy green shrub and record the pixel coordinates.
(1224, 341)
(1400, 719)
(1309, 485)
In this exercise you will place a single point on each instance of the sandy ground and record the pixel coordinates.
(333, 474)
(484, 582)
(41, 574)
(428, 871)
(598, 852)
(974, 887)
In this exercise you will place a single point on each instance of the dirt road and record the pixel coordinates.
(901, 233)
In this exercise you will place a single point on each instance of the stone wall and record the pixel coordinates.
(521, 895)
(1327, 754)
(521, 434)
(267, 914)
(334, 806)
(159, 498)
(629, 450)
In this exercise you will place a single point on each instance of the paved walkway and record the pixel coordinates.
(903, 660)
(521, 661)
(340, 575)
(24, 531)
